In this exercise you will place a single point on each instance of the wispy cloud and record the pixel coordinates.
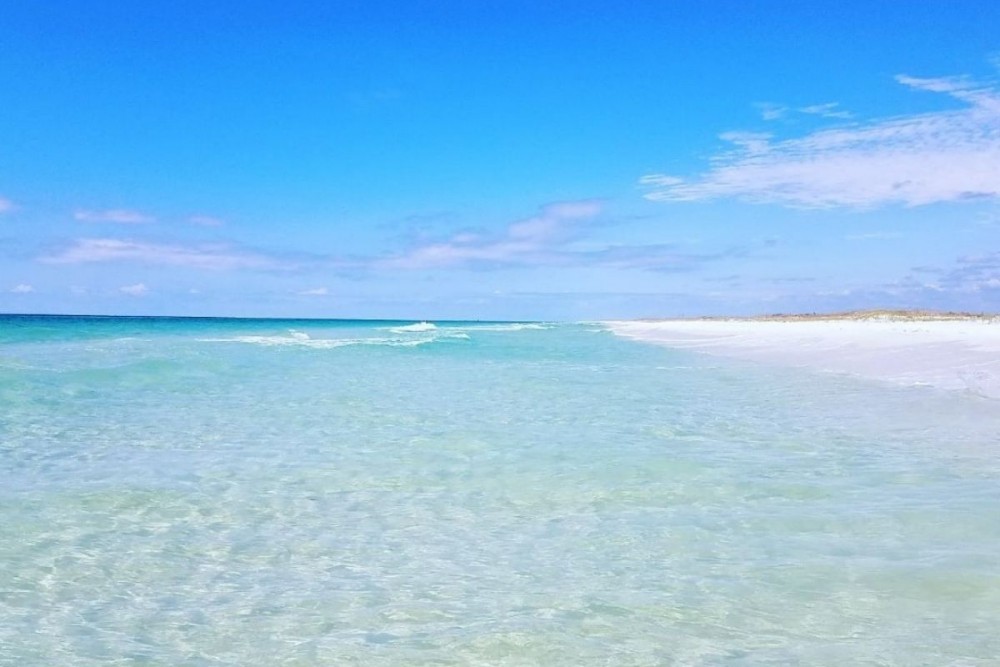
(206, 221)
(771, 111)
(525, 241)
(972, 273)
(22, 289)
(6, 205)
(119, 216)
(553, 237)
(139, 289)
(213, 257)
(318, 291)
(827, 110)
(910, 160)
(970, 282)
(654, 257)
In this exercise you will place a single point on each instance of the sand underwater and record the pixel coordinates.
(264, 492)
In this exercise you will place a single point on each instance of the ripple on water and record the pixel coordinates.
(532, 496)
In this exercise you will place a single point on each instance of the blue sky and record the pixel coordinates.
(498, 160)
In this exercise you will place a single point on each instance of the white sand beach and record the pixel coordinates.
(961, 353)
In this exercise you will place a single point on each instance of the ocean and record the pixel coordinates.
(278, 492)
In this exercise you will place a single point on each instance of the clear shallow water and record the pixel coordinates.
(226, 492)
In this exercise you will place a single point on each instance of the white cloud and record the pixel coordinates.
(205, 221)
(138, 289)
(554, 237)
(213, 257)
(22, 289)
(319, 291)
(119, 216)
(771, 111)
(828, 110)
(525, 240)
(6, 205)
(910, 160)
(750, 142)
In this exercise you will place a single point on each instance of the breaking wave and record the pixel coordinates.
(300, 339)
(417, 327)
(512, 326)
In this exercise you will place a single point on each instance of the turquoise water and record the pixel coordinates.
(237, 492)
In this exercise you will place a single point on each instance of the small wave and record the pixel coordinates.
(513, 326)
(417, 327)
(296, 339)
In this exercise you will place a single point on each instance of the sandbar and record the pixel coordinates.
(950, 351)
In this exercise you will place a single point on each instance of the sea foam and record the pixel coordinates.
(295, 338)
(417, 327)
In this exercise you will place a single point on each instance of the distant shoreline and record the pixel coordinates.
(876, 315)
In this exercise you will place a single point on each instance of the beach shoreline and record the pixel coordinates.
(869, 315)
(951, 351)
